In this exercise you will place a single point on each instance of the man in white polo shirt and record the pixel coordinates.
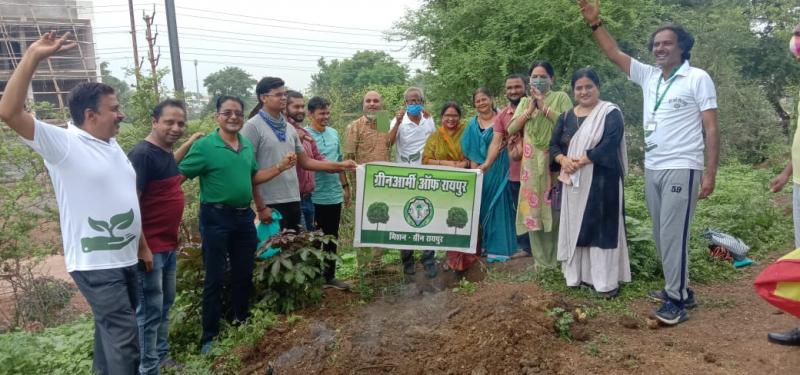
(680, 107)
(95, 187)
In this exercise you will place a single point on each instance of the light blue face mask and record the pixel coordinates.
(414, 109)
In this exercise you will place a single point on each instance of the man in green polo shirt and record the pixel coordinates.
(227, 167)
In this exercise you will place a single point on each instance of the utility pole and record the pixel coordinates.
(174, 49)
(196, 79)
(137, 64)
(151, 42)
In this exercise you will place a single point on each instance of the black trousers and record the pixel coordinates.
(327, 218)
(228, 235)
(291, 215)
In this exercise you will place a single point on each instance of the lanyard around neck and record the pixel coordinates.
(660, 99)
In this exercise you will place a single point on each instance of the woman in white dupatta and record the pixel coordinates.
(588, 151)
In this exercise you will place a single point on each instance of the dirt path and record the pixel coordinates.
(502, 329)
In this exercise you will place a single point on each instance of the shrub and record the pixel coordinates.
(292, 279)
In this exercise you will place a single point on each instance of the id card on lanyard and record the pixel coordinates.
(651, 125)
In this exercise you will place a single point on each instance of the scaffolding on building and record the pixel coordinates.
(22, 24)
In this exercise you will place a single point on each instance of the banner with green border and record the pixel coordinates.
(423, 207)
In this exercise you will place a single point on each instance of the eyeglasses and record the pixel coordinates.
(229, 114)
(413, 101)
(277, 94)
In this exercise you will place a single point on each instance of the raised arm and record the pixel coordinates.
(12, 104)
(591, 12)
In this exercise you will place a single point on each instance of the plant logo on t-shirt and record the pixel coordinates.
(110, 242)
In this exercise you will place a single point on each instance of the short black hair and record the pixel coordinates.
(159, 108)
(448, 105)
(263, 87)
(586, 73)
(224, 98)
(316, 103)
(544, 64)
(291, 94)
(685, 39)
(86, 95)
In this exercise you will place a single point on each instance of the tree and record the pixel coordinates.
(378, 213)
(231, 81)
(344, 81)
(457, 218)
(121, 87)
(742, 45)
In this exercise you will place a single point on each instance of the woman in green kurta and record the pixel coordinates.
(536, 117)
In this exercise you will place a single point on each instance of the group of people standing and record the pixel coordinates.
(552, 173)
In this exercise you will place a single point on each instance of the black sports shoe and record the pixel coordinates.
(661, 296)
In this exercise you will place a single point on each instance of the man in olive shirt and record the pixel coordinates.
(226, 164)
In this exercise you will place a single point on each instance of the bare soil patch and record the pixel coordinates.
(503, 329)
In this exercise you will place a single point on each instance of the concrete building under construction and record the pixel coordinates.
(23, 21)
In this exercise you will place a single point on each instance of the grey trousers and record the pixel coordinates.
(112, 295)
(671, 199)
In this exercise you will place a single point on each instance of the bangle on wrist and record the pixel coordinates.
(596, 25)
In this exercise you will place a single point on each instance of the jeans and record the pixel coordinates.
(328, 222)
(291, 213)
(228, 234)
(523, 242)
(307, 213)
(156, 295)
(111, 293)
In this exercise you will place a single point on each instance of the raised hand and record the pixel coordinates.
(48, 45)
(590, 10)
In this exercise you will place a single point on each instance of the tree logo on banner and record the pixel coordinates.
(418, 212)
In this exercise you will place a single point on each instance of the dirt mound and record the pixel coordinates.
(501, 328)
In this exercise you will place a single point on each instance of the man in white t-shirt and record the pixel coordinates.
(410, 130)
(680, 108)
(95, 187)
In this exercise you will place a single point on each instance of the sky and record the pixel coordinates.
(265, 38)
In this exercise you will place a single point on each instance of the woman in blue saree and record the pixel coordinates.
(498, 240)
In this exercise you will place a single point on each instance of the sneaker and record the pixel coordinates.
(430, 270)
(206, 348)
(336, 284)
(661, 296)
(671, 313)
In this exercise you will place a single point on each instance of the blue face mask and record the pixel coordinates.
(414, 109)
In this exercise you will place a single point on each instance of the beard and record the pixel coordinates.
(297, 117)
(514, 102)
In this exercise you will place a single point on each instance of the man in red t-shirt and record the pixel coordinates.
(158, 185)
(516, 88)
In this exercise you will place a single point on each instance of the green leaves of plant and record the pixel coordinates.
(99, 225)
(122, 221)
